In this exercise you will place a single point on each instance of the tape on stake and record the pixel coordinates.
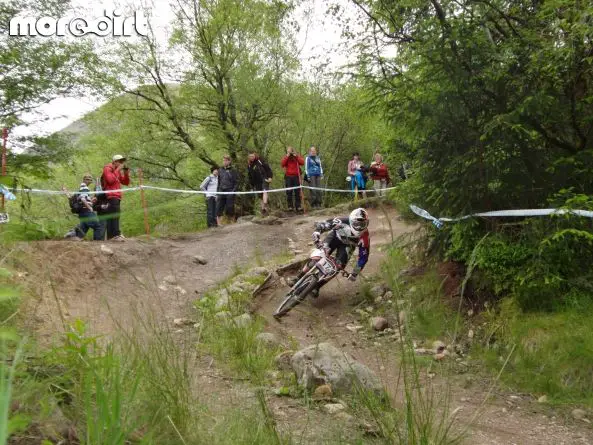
(438, 222)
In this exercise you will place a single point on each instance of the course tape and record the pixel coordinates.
(197, 192)
(438, 222)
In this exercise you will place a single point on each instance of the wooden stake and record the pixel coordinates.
(143, 199)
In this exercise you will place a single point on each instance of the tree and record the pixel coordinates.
(228, 89)
(34, 71)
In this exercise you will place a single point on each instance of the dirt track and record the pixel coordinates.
(79, 280)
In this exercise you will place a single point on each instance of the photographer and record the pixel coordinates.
(291, 163)
(114, 175)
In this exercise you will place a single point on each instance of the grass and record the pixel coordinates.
(234, 344)
(553, 352)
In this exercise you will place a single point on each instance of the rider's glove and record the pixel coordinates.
(320, 227)
(352, 277)
(316, 236)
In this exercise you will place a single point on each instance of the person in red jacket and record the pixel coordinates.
(291, 163)
(379, 175)
(114, 175)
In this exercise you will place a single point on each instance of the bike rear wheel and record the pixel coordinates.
(296, 295)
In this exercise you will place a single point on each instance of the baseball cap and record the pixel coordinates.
(118, 158)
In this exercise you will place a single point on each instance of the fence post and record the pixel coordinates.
(4, 137)
(143, 199)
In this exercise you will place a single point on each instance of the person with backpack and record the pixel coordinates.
(314, 175)
(291, 163)
(114, 175)
(260, 176)
(228, 181)
(210, 186)
(82, 205)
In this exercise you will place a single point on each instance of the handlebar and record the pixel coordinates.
(319, 245)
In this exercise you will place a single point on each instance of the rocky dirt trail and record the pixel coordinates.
(112, 285)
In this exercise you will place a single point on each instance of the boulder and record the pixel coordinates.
(323, 392)
(268, 339)
(379, 323)
(325, 364)
(223, 299)
(170, 279)
(333, 408)
(179, 322)
(579, 414)
(378, 291)
(243, 320)
(283, 359)
(438, 347)
(106, 250)
(199, 259)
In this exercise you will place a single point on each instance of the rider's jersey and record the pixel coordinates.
(345, 233)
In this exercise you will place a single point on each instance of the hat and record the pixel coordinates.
(118, 158)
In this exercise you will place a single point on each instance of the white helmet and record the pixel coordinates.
(359, 220)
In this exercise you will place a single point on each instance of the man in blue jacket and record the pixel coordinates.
(314, 174)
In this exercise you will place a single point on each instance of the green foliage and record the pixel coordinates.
(491, 103)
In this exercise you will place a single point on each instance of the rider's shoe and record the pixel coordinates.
(315, 293)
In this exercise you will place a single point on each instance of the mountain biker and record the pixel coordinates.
(345, 234)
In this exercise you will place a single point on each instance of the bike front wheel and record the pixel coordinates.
(297, 294)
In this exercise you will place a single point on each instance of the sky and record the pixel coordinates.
(319, 36)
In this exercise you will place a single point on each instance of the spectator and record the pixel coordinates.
(403, 171)
(291, 163)
(356, 174)
(314, 174)
(210, 186)
(228, 181)
(260, 176)
(114, 175)
(87, 216)
(379, 175)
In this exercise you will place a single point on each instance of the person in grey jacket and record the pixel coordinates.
(228, 181)
(210, 186)
(314, 175)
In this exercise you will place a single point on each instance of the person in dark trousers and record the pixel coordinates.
(210, 186)
(228, 181)
(291, 163)
(87, 216)
(260, 176)
(114, 175)
(314, 174)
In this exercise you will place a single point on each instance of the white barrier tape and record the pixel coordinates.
(60, 192)
(200, 192)
(438, 222)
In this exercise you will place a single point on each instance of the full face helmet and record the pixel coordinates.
(359, 220)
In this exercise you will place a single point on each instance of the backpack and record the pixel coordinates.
(76, 205)
(101, 196)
